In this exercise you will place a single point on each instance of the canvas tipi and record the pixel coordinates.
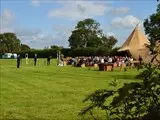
(136, 43)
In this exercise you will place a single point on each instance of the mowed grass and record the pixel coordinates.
(50, 92)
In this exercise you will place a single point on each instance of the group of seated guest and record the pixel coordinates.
(90, 61)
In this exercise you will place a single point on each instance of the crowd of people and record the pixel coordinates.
(87, 61)
(90, 61)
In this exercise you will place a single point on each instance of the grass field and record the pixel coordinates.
(50, 92)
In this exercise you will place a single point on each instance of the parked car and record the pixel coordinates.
(9, 55)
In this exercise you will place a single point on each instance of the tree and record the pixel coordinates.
(57, 48)
(108, 42)
(25, 47)
(152, 26)
(75, 39)
(3, 46)
(83, 33)
(54, 47)
(87, 33)
(9, 42)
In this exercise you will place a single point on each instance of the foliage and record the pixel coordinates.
(134, 101)
(9, 42)
(89, 51)
(57, 48)
(25, 47)
(152, 27)
(87, 33)
(108, 42)
(40, 53)
(54, 47)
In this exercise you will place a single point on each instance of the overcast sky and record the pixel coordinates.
(41, 23)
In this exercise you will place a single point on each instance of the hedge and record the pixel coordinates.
(70, 52)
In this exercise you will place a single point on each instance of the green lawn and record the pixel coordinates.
(50, 92)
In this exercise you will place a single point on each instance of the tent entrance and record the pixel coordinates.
(124, 53)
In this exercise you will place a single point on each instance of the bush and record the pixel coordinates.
(134, 101)
(40, 53)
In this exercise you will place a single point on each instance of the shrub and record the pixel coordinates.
(134, 101)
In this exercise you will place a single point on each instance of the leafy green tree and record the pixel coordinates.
(108, 42)
(89, 29)
(152, 26)
(56, 48)
(87, 33)
(3, 46)
(75, 40)
(9, 42)
(25, 47)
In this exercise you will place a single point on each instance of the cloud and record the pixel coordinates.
(35, 3)
(110, 34)
(63, 28)
(33, 37)
(26, 32)
(36, 38)
(62, 34)
(120, 10)
(77, 10)
(6, 21)
(128, 21)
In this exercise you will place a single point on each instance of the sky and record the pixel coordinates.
(42, 23)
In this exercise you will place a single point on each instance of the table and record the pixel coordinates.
(106, 66)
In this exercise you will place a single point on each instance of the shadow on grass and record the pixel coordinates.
(117, 76)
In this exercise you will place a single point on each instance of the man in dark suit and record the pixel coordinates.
(35, 59)
(48, 60)
(18, 60)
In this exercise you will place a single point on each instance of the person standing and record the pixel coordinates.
(140, 60)
(110, 59)
(26, 56)
(48, 60)
(35, 59)
(102, 60)
(18, 61)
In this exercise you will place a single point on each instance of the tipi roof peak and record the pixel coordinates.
(136, 43)
(136, 40)
(137, 27)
